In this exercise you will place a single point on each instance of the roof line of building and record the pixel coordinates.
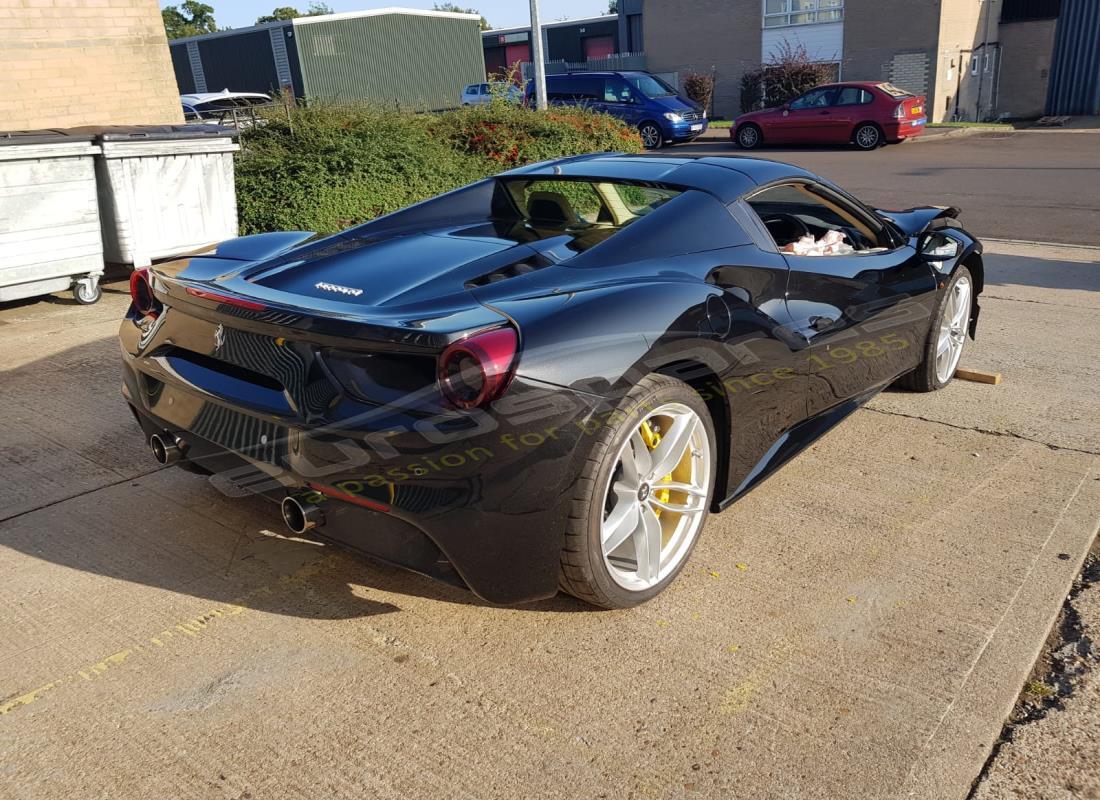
(559, 24)
(374, 12)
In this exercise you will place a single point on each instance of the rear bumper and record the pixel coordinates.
(480, 501)
(896, 131)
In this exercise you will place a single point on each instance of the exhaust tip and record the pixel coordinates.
(301, 517)
(165, 449)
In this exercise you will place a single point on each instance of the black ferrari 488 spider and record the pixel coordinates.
(546, 379)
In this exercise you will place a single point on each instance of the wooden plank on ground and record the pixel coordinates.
(978, 376)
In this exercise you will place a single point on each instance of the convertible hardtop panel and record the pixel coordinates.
(727, 178)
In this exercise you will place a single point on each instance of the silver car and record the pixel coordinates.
(479, 93)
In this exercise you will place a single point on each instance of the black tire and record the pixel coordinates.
(652, 136)
(85, 297)
(925, 378)
(867, 136)
(583, 571)
(749, 137)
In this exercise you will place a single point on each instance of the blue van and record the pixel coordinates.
(639, 99)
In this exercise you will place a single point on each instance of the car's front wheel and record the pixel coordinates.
(642, 498)
(652, 138)
(947, 338)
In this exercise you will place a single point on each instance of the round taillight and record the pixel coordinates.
(141, 292)
(477, 370)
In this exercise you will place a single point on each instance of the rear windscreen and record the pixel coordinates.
(587, 210)
(894, 91)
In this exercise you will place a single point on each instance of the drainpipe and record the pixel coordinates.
(958, 80)
(981, 64)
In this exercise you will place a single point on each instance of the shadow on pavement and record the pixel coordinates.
(79, 490)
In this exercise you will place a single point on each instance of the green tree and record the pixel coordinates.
(612, 6)
(290, 12)
(190, 18)
(485, 26)
(281, 13)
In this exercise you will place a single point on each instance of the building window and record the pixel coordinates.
(779, 13)
(974, 62)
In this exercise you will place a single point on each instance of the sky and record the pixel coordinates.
(500, 13)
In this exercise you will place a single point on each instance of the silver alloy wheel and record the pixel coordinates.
(953, 324)
(867, 137)
(651, 136)
(656, 497)
(747, 137)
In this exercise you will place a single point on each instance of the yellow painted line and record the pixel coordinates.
(181, 632)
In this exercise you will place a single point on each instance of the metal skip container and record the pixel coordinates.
(49, 220)
(164, 190)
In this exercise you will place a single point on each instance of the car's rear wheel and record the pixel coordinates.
(867, 136)
(947, 337)
(748, 137)
(643, 496)
(652, 138)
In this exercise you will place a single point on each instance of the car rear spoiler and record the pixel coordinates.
(258, 246)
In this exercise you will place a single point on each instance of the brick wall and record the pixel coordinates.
(695, 35)
(892, 40)
(1026, 49)
(84, 62)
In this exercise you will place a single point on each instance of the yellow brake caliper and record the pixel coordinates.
(652, 438)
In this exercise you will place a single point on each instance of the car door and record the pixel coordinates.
(809, 118)
(852, 105)
(618, 99)
(863, 316)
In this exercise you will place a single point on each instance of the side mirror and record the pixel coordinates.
(937, 246)
(785, 107)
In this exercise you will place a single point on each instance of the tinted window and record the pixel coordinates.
(484, 88)
(815, 98)
(854, 96)
(470, 90)
(575, 89)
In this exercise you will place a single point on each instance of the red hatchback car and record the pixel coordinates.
(864, 114)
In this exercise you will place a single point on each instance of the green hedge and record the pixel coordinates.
(323, 167)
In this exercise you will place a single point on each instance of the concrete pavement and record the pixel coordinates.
(859, 626)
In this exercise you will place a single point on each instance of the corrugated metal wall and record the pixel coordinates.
(241, 63)
(1075, 67)
(181, 65)
(411, 61)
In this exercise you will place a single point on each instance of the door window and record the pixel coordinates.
(807, 219)
(815, 98)
(854, 96)
(615, 90)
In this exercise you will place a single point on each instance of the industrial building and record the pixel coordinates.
(973, 59)
(395, 57)
(570, 43)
